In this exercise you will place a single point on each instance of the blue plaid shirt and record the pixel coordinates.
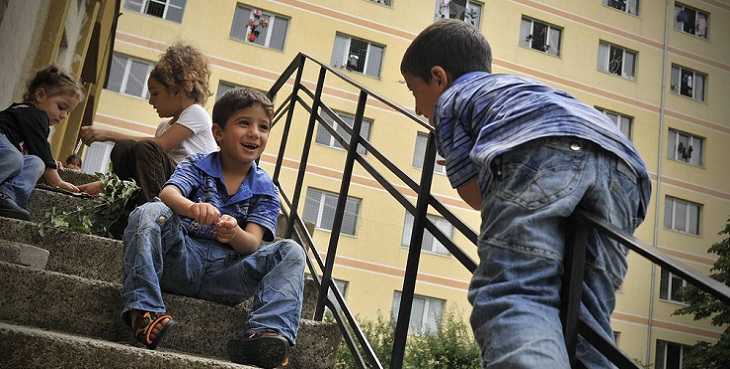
(482, 115)
(200, 179)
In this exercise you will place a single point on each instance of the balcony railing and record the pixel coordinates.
(304, 104)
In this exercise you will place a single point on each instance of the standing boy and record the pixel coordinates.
(527, 156)
(204, 240)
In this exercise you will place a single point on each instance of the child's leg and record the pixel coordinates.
(145, 162)
(18, 173)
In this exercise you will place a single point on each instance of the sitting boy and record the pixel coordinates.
(527, 156)
(204, 240)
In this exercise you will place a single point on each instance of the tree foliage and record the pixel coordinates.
(702, 305)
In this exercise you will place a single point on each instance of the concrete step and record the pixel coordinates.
(22, 254)
(76, 305)
(33, 348)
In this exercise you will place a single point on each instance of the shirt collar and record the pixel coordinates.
(256, 182)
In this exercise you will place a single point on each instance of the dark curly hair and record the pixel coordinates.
(55, 81)
(183, 66)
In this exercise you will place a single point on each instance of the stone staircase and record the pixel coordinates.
(60, 308)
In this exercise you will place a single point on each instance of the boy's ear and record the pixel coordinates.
(441, 77)
(217, 132)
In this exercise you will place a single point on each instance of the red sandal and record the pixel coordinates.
(144, 324)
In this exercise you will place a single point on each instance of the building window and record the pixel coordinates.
(171, 10)
(681, 215)
(430, 243)
(325, 138)
(224, 87)
(466, 10)
(128, 76)
(319, 208)
(616, 60)
(540, 36)
(357, 55)
(628, 6)
(670, 355)
(670, 285)
(687, 82)
(384, 2)
(685, 147)
(623, 122)
(419, 154)
(690, 20)
(259, 27)
(426, 313)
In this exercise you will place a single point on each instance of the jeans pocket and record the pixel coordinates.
(538, 174)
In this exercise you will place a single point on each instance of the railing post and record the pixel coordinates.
(289, 117)
(576, 238)
(341, 204)
(305, 149)
(414, 257)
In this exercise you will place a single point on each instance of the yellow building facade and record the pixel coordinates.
(660, 69)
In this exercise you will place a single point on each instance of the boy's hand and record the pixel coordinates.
(204, 213)
(92, 188)
(225, 228)
(90, 135)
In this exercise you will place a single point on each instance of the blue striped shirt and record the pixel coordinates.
(482, 115)
(200, 179)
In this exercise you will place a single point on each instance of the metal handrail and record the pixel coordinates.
(321, 270)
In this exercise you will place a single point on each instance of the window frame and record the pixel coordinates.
(625, 123)
(429, 244)
(348, 227)
(616, 4)
(691, 154)
(382, 2)
(323, 133)
(527, 39)
(660, 361)
(606, 51)
(143, 7)
(127, 74)
(424, 324)
(444, 11)
(420, 160)
(669, 285)
(265, 20)
(350, 59)
(679, 88)
(672, 209)
(680, 26)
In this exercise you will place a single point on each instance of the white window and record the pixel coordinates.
(325, 138)
(259, 27)
(670, 285)
(357, 55)
(224, 87)
(466, 10)
(681, 215)
(690, 20)
(540, 36)
(616, 60)
(687, 82)
(623, 122)
(430, 243)
(426, 313)
(419, 154)
(628, 6)
(128, 76)
(670, 355)
(319, 208)
(97, 157)
(685, 147)
(171, 10)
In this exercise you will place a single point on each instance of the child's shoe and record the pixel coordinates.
(9, 209)
(265, 350)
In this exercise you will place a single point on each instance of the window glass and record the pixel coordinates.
(357, 55)
(259, 27)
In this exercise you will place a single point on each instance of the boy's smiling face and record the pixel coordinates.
(244, 136)
(427, 94)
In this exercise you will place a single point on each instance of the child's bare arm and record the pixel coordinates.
(202, 212)
(243, 241)
(52, 177)
(470, 193)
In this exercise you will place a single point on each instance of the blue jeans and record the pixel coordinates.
(159, 256)
(18, 173)
(515, 291)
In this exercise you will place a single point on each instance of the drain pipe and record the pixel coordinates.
(660, 157)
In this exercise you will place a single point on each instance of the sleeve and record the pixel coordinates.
(195, 118)
(34, 130)
(187, 176)
(265, 212)
(454, 141)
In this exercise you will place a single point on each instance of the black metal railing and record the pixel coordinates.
(308, 96)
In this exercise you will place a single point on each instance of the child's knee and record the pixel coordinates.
(293, 251)
(13, 160)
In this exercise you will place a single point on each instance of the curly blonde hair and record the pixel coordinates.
(183, 66)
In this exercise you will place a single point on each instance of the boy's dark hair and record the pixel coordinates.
(55, 81)
(454, 45)
(239, 98)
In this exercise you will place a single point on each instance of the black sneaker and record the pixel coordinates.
(9, 209)
(266, 350)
